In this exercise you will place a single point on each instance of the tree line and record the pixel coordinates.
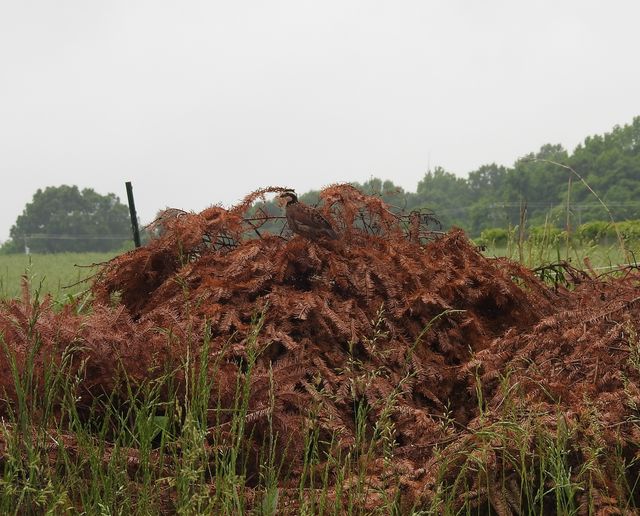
(67, 219)
(598, 181)
(544, 186)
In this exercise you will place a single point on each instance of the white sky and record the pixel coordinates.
(202, 102)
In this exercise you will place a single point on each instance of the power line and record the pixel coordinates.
(571, 205)
(74, 237)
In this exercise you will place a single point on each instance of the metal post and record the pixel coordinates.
(132, 213)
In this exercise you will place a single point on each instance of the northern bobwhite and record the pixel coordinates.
(305, 220)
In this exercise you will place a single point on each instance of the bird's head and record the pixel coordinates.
(287, 198)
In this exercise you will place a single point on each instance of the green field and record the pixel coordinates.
(600, 257)
(60, 275)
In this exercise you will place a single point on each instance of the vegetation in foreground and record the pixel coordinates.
(386, 373)
(146, 447)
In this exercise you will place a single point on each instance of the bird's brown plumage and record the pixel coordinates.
(305, 220)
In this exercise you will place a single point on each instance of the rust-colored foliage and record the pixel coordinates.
(345, 323)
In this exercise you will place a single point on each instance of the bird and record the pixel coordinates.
(305, 220)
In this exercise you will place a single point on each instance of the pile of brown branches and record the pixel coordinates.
(386, 312)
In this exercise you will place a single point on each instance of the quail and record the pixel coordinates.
(305, 220)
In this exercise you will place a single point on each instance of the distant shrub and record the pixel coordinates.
(546, 234)
(596, 231)
(11, 247)
(599, 232)
(629, 230)
(496, 237)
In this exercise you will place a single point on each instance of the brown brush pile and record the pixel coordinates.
(419, 331)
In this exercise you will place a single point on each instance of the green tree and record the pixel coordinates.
(386, 189)
(66, 219)
(486, 189)
(488, 180)
(611, 166)
(446, 194)
(536, 183)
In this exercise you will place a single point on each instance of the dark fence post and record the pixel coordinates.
(132, 213)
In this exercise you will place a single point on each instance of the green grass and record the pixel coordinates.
(534, 253)
(60, 274)
(534, 256)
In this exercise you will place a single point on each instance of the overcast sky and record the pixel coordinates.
(198, 103)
